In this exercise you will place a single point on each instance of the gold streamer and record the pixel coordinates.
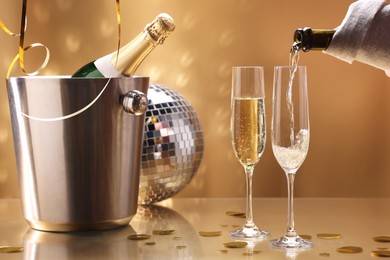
(118, 19)
(22, 49)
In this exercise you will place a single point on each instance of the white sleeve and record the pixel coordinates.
(364, 34)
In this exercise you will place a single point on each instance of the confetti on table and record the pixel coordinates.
(223, 251)
(236, 244)
(381, 253)
(210, 233)
(329, 236)
(11, 249)
(307, 237)
(350, 249)
(324, 254)
(236, 214)
(138, 237)
(384, 239)
(163, 232)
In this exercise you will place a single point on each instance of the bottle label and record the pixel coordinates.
(106, 68)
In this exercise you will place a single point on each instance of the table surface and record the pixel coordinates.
(358, 220)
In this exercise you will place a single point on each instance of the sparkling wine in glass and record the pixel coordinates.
(290, 135)
(248, 135)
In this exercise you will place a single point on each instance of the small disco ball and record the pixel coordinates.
(172, 146)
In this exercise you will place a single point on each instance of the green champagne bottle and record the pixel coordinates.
(132, 54)
(307, 39)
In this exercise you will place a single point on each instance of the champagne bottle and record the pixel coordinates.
(307, 39)
(132, 54)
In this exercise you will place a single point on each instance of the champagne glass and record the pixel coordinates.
(290, 135)
(248, 135)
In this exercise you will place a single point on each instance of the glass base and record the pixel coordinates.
(249, 233)
(295, 242)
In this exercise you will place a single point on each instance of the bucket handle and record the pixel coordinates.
(134, 102)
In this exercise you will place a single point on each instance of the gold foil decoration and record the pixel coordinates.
(139, 237)
(22, 48)
(181, 247)
(381, 253)
(223, 251)
(329, 236)
(383, 239)
(11, 249)
(163, 232)
(151, 243)
(324, 254)
(236, 244)
(210, 233)
(350, 249)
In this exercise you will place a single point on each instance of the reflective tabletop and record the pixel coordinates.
(357, 221)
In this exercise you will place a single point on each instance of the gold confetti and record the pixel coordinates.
(224, 225)
(163, 232)
(381, 253)
(247, 254)
(138, 237)
(181, 247)
(236, 214)
(306, 237)
(382, 248)
(236, 226)
(257, 252)
(236, 244)
(324, 254)
(329, 236)
(176, 238)
(384, 239)
(210, 233)
(223, 251)
(151, 243)
(11, 249)
(350, 249)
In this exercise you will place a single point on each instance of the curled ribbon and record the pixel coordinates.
(22, 49)
(118, 19)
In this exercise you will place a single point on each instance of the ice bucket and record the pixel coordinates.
(78, 149)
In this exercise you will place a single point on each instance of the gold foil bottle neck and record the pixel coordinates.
(161, 27)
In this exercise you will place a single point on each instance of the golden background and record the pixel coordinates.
(349, 153)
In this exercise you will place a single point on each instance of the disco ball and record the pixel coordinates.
(172, 146)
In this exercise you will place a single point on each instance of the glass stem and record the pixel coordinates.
(290, 211)
(249, 213)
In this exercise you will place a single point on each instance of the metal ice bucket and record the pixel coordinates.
(77, 150)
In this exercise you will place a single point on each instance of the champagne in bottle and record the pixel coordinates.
(132, 54)
(307, 39)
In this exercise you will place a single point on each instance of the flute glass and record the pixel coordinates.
(290, 134)
(248, 135)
